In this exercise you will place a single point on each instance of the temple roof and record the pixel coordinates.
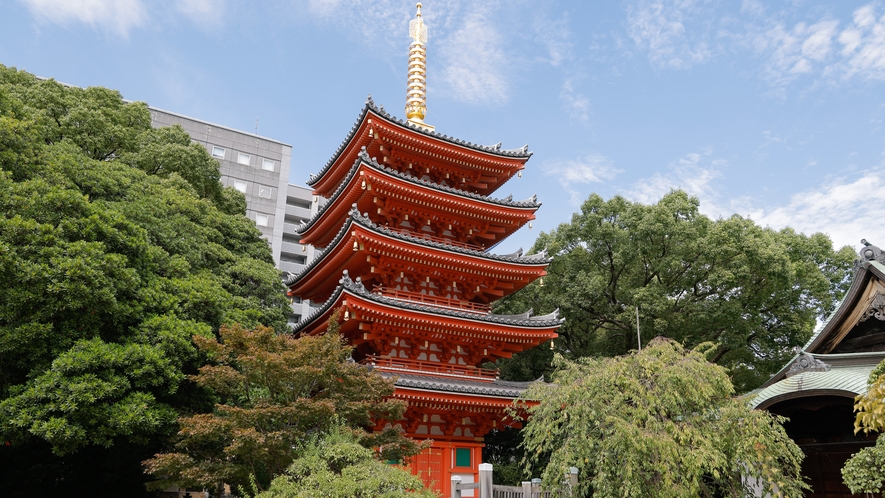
(355, 217)
(355, 287)
(839, 374)
(816, 366)
(370, 106)
(503, 388)
(363, 158)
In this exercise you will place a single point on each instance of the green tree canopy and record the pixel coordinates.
(274, 390)
(659, 423)
(864, 472)
(754, 291)
(336, 465)
(117, 246)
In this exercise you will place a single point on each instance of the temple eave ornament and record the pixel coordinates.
(868, 252)
(807, 363)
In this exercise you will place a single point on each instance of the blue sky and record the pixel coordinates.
(772, 110)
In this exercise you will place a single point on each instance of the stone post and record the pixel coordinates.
(485, 480)
(456, 481)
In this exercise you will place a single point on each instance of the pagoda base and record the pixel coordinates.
(445, 459)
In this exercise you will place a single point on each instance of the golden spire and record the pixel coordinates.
(416, 96)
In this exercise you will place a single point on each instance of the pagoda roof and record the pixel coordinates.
(371, 109)
(356, 288)
(363, 159)
(355, 217)
(498, 388)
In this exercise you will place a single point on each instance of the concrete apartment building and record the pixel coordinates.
(259, 168)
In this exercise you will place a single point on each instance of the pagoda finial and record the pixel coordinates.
(416, 95)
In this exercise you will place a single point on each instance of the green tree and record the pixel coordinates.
(274, 390)
(659, 423)
(336, 465)
(753, 291)
(864, 472)
(117, 246)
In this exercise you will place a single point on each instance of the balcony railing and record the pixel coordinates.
(428, 300)
(418, 367)
(418, 234)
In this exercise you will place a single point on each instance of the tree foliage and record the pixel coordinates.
(117, 246)
(336, 465)
(273, 391)
(659, 423)
(864, 472)
(754, 291)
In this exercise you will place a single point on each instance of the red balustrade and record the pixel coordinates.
(427, 299)
(439, 240)
(418, 367)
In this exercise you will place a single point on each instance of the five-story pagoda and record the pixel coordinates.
(402, 241)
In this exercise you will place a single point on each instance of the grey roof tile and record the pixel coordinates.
(501, 388)
(521, 152)
(363, 158)
(356, 287)
(355, 217)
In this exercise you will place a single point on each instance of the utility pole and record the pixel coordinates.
(638, 337)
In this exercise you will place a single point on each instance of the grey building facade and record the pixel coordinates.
(258, 167)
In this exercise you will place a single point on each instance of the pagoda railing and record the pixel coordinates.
(439, 240)
(427, 299)
(419, 367)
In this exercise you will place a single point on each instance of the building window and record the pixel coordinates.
(294, 201)
(244, 159)
(292, 258)
(261, 220)
(291, 218)
(462, 457)
(293, 319)
(266, 192)
(240, 185)
(267, 164)
(217, 152)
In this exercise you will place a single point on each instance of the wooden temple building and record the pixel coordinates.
(402, 239)
(816, 389)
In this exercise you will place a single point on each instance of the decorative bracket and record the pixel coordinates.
(875, 310)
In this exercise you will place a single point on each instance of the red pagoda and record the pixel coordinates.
(402, 244)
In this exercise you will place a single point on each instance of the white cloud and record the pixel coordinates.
(695, 173)
(474, 60)
(556, 37)
(576, 104)
(571, 173)
(117, 16)
(864, 45)
(800, 50)
(844, 209)
(206, 13)
(466, 41)
(659, 27)
(822, 49)
(372, 21)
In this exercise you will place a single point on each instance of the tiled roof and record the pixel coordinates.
(355, 217)
(356, 287)
(502, 388)
(864, 270)
(852, 379)
(370, 106)
(531, 202)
